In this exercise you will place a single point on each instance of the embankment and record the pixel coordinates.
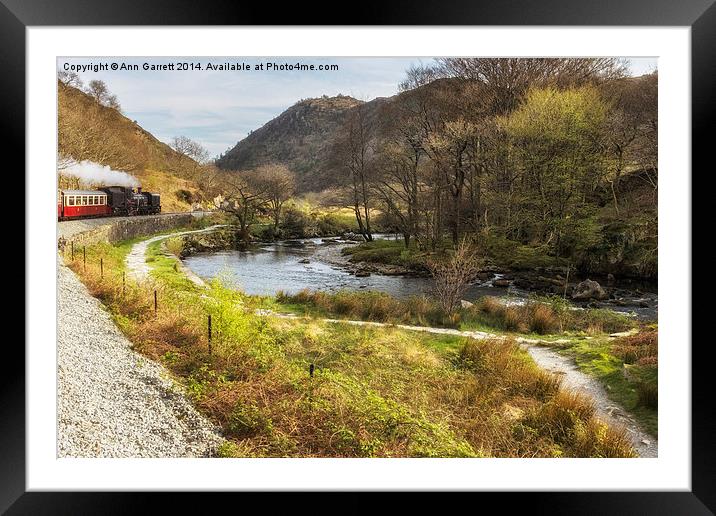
(115, 229)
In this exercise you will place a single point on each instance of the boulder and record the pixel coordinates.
(362, 274)
(501, 282)
(587, 290)
(524, 283)
(466, 304)
(305, 260)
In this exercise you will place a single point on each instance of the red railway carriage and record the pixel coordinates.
(82, 203)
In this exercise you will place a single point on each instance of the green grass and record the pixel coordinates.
(167, 268)
(499, 251)
(596, 357)
(387, 252)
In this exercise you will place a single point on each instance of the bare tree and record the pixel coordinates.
(99, 91)
(190, 148)
(354, 153)
(70, 79)
(452, 275)
(244, 197)
(504, 82)
(279, 185)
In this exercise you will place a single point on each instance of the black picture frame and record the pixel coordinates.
(700, 15)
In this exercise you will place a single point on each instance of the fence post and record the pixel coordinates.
(155, 302)
(122, 283)
(84, 257)
(209, 333)
(72, 247)
(101, 268)
(311, 368)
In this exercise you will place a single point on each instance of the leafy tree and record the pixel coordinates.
(556, 139)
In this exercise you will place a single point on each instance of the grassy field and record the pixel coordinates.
(374, 392)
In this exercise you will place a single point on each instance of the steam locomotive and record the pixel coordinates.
(111, 201)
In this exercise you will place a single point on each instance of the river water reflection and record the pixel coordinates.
(315, 264)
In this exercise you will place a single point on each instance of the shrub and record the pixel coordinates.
(513, 319)
(558, 417)
(529, 380)
(184, 196)
(453, 274)
(371, 305)
(248, 420)
(175, 245)
(595, 439)
(543, 319)
(295, 223)
(641, 348)
(648, 394)
(331, 224)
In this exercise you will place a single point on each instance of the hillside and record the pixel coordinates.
(304, 136)
(90, 131)
(301, 138)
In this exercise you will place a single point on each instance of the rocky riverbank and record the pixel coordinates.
(621, 294)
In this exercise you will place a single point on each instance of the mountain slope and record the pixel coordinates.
(300, 138)
(90, 131)
(303, 137)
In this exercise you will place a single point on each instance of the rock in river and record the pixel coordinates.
(587, 290)
(501, 283)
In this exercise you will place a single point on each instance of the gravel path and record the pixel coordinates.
(136, 258)
(608, 411)
(112, 402)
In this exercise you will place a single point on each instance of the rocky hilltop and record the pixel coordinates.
(301, 138)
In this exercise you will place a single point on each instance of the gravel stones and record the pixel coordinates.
(112, 401)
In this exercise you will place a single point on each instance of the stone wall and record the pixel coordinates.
(115, 229)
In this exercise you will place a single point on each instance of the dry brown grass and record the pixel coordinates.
(373, 306)
(640, 349)
(544, 317)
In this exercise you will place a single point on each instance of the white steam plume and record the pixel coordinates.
(93, 173)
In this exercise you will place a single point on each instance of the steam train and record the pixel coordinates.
(111, 201)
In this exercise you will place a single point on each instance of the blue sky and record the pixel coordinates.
(219, 108)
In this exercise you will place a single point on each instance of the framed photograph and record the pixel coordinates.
(430, 251)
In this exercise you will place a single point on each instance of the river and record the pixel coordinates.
(315, 264)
